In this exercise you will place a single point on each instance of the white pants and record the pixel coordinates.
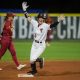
(36, 50)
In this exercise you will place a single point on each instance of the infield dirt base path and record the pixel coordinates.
(53, 70)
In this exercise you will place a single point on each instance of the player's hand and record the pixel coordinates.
(24, 6)
(61, 18)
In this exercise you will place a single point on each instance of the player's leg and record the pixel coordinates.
(32, 61)
(13, 53)
(40, 51)
(36, 51)
(3, 49)
(41, 62)
(33, 68)
(4, 46)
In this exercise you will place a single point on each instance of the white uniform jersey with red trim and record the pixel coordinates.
(40, 33)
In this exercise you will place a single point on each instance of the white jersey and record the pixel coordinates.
(40, 33)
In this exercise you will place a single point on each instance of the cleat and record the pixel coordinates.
(21, 66)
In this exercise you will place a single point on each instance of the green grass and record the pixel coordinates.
(58, 50)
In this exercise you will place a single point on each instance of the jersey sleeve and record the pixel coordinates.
(34, 22)
(48, 27)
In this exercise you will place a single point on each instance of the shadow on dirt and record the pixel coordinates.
(57, 74)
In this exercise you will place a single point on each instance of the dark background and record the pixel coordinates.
(59, 6)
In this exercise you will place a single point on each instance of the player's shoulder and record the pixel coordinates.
(45, 24)
(34, 22)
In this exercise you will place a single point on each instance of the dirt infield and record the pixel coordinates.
(53, 70)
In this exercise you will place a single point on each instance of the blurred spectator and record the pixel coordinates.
(49, 21)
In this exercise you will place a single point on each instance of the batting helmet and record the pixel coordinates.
(42, 15)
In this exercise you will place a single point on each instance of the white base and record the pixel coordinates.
(25, 75)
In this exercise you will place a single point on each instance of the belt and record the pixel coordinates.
(37, 41)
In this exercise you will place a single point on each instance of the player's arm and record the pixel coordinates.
(60, 18)
(24, 7)
(27, 16)
(54, 24)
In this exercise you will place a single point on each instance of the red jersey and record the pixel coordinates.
(7, 28)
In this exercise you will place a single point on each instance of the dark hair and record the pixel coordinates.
(6, 17)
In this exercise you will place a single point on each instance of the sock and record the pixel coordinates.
(33, 66)
(38, 59)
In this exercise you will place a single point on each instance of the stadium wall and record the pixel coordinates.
(67, 29)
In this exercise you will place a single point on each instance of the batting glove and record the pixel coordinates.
(24, 6)
(61, 18)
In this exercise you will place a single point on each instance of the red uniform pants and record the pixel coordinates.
(6, 43)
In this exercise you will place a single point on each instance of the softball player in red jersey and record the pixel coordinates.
(6, 40)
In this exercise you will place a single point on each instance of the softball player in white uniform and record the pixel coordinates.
(40, 33)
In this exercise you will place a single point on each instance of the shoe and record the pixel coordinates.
(21, 66)
(41, 63)
(32, 72)
(1, 69)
